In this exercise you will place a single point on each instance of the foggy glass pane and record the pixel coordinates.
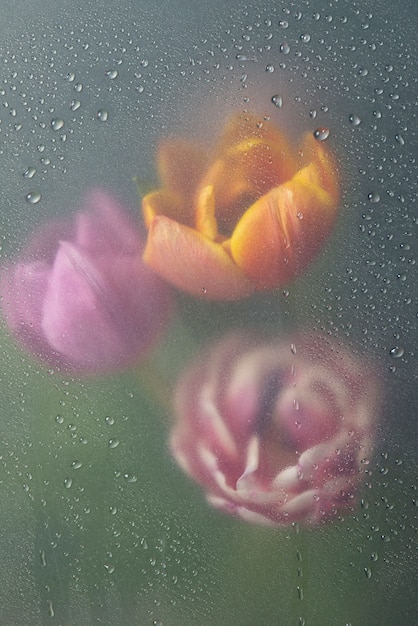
(102, 522)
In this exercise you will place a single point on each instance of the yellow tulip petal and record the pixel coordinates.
(252, 159)
(206, 223)
(315, 151)
(190, 261)
(164, 202)
(280, 233)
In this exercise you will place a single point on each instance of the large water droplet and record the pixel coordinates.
(321, 133)
(102, 115)
(57, 123)
(354, 119)
(33, 197)
(29, 172)
(277, 101)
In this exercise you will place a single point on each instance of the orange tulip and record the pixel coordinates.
(249, 217)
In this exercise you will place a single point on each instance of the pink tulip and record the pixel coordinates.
(80, 298)
(276, 432)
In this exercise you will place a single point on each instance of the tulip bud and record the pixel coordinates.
(276, 432)
(80, 298)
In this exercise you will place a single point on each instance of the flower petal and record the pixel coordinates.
(192, 262)
(280, 233)
(252, 158)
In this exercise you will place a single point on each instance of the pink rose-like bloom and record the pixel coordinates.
(276, 432)
(79, 297)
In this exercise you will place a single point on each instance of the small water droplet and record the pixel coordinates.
(110, 420)
(397, 352)
(374, 197)
(277, 101)
(270, 68)
(113, 443)
(51, 611)
(57, 123)
(76, 464)
(400, 140)
(102, 115)
(112, 74)
(59, 419)
(284, 24)
(131, 478)
(368, 572)
(33, 197)
(321, 133)
(68, 482)
(110, 568)
(354, 119)
(75, 105)
(305, 37)
(29, 172)
(78, 87)
(284, 48)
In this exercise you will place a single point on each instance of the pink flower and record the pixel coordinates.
(276, 432)
(80, 298)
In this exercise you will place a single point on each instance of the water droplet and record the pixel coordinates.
(59, 419)
(29, 172)
(283, 24)
(43, 558)
(57, 123)
(112, 74)
(284, 48)
(321, 133)
(75, 105)
(400, 140)
(305, 37)
(102, 115)
(374, 197)
(113, 443)
(130, 478)
(78, 87)
(363, 72)
(397, 352)
(51, 611)
(110, 420)
(354, 119)
(76, 464)
(33, 197)
(277, 101)
(68, 482)
(270, 68)
(110, 569)
(368, 572)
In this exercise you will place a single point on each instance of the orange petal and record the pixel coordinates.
(278, 235)
(181, 165)
(315, 151)
(164, 202)
(193, 263)
(248, 168)
(206, 222)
